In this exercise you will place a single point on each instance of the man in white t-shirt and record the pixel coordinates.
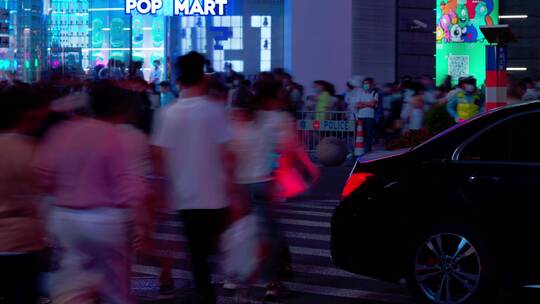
(363, 101)
(193, 136)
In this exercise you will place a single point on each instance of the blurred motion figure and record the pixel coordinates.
(95, 170)
(21, 229)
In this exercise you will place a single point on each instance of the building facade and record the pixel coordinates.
(314, 39)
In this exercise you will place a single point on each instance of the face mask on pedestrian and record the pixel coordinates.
(366, 86)
(317, 90)
(469, 88)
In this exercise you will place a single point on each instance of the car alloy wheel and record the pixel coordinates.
(448, 269)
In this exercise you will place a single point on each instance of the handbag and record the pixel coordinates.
(240, 249)
(295, 173)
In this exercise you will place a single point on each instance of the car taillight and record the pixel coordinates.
(355, 181)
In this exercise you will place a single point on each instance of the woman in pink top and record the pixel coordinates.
(95, 169)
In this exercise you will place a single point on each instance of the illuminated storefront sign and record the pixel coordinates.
(460, 43)
(180, 7)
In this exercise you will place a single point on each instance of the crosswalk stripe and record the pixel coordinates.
(175, 224)
(169, 237)
(318, 201)
(298, 268)
(170, 254)
(309, 269)
(285, 221)
(287, 207)
(308, 213)
(347, 293)
(321, 213)
(291, 235)
(330, 271)
(306, 206)
(310, 251)
(308, 236)
(294, 249)
(230, 300)
(296, 287)
(304, 223)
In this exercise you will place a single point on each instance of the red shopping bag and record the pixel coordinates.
(295, 173)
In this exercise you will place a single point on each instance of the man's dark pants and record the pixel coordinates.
(203, 229)
(368, 125)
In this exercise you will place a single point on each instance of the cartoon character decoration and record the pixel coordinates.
(471, 34)
(441, 34)
(457, 33)
(490, 7)
(443, 29)
(463, 15)
(481, 12)
(449, 6)
(460, 20)
(445, 26)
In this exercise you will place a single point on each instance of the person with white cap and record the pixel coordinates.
(351, 95)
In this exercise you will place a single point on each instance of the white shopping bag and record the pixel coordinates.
(240, 245)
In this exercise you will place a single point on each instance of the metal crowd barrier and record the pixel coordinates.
(313, 127)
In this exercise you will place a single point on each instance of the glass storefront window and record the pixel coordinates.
(67, 35)
(80, 37)
(110, 44)
(22, 39)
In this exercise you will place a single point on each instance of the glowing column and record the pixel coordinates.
(496, 76)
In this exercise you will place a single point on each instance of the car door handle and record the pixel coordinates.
(474, 179)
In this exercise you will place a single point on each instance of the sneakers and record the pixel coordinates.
(275, 291)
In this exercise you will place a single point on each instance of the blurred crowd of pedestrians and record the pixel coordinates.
(394, 109)
(87, 169)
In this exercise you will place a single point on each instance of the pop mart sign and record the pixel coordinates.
(179, 7)
(461, 46)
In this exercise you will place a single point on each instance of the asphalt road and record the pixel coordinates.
(307, 227)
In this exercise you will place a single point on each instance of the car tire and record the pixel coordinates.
(451, 265)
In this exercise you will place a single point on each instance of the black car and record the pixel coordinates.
(457, 216)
